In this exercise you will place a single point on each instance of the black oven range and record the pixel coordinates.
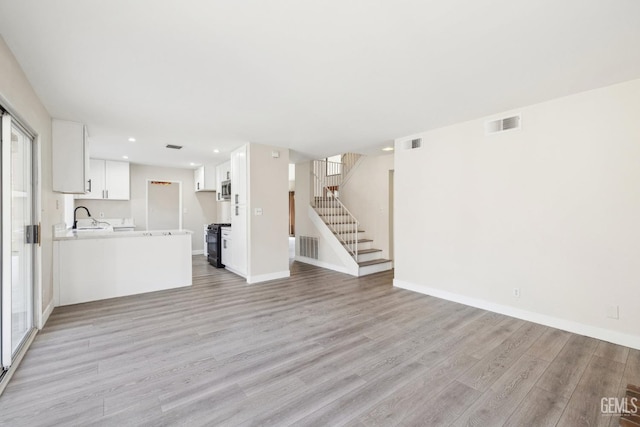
(214, 244)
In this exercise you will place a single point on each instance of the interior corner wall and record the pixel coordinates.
(268, 232)
(366, 195)
(551, 209)
(21, 99)
(304, 226)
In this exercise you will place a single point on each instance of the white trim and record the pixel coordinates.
(627, 340)
(196, 251)
(269, 276)
(45, 316)
(5, 296)
(322, 264)
(39, 318)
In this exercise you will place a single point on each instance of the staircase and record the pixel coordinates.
(342, 223)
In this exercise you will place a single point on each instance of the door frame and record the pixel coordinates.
(36, 157)
(146, 201)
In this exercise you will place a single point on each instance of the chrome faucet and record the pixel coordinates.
(75, 221)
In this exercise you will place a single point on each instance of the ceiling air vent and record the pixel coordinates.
(410, 144)
(502, 125)
(174, 147)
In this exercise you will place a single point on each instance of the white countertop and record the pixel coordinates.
(91, 234)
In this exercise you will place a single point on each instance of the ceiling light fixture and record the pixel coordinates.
(132, 139)
(125, 157)
(216, 150)
(387, 149)
(192, 164)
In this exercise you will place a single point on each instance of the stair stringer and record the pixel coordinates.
(349, 265)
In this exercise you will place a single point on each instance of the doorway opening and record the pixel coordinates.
(164, 205)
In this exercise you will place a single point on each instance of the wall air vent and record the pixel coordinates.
(174, 147)
(411, 144)
(309, 247)
(503, 125)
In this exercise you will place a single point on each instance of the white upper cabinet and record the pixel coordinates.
(95, 181)
(205, 178)
(239, 170)
(223, 173)
(108, 180)
(117, 180)
(70, 157)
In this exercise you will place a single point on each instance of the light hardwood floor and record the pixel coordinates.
(318, 349)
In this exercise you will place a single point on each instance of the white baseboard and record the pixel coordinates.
(45, 315)
(627, 340)
(198, 252)
(334, 267)
(269, 276)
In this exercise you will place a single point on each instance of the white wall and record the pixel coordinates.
(552, 209)
(268, 233)
(17, 95)
(366, 195)
(200, 207)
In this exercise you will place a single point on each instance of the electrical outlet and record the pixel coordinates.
(613, 312)
(516, 292)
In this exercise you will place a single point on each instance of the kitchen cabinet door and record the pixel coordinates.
(95, 183)
(227, 244)
(70, 157)
(205, 178)
(239, 171)
(198, 178)
(239, 249)
(223, 173)
(116, 180)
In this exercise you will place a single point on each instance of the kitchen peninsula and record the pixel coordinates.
(96, 265)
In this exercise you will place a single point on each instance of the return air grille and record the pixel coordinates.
(411, 144)
(174, 147)
(309, 247)
(503, 125)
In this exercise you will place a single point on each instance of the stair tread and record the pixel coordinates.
(363, 241)
(373, 262)
(347, 232)
(368, 251)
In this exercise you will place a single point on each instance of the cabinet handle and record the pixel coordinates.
(225, 244)
(107, 193)
(236, 199)
(236, 211)
(197, 186)
(103, 196)
(89, 186)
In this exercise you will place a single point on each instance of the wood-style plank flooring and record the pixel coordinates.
(318, 349)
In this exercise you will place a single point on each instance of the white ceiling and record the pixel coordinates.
(319, 77)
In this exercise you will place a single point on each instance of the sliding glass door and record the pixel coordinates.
(19, 236)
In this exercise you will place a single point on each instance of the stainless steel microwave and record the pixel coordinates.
(226, 190)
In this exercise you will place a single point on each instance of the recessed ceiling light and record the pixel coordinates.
(192, 164)
(132, 139)
(216, 150)
(387, 149)
(125, 157)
